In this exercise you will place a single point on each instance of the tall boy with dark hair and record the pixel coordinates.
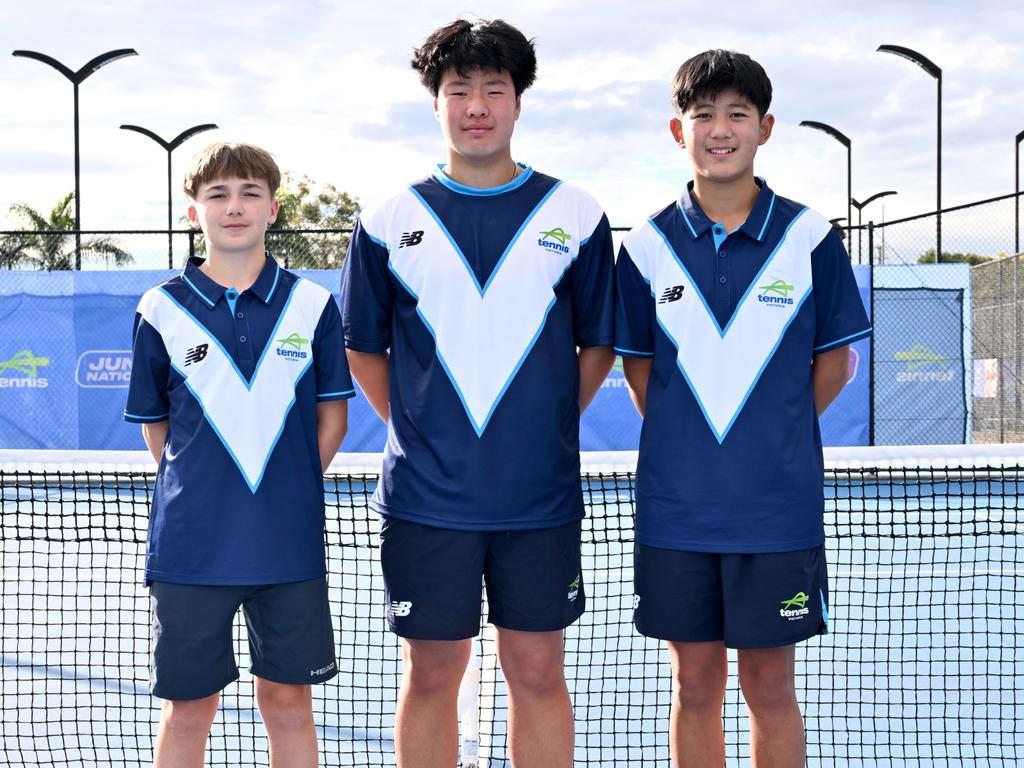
(466, 297)
(239, 380)
(734, 312)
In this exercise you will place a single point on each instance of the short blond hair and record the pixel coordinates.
(225, 160)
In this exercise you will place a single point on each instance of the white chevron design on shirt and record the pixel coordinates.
(484, 334)
(722, 366)
(248, 416)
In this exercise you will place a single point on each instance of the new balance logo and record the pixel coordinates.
(672, 293)
(196, 354)
(411, 238)
(400, 608)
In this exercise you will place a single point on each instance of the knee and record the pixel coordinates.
(535, 671)
(767, 691)
(435, 669)
(698, 688)
(191, 716)
(284, 707)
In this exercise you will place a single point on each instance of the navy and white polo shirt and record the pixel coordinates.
(239, 495)
(482, 297)
(730, 451)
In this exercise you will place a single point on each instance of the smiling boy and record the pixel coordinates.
(734, 311)
(478, 321)
(239, 380)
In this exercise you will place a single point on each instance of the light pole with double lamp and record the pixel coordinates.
(860, 207)
(932, 69)
(76, 79)
(843, 139)
(170, 146)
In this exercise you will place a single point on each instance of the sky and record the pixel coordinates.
(326, 87)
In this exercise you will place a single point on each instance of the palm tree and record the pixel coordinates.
(43, 246)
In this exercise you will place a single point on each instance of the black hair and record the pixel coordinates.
(708, 74)
(463, 46)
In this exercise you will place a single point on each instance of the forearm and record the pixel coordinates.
(595, 362)
(638, 371)
(829, 373)
(331, 426)
(155, 435)
(370, 369)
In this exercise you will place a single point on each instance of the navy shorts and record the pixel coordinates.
(290, 636)
(756, 600)
(432, 579)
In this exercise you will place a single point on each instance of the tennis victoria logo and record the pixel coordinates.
(292, 347)
(776, 294)
(574, 588)
(21, 371)
(923, 364)
(795, 608)
(555, 240)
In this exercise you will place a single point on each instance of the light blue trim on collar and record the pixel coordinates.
(445, 180)
(767, 218)
(686, 219)
(228, 293)
(718, 232)
(273, 287)
(196, 290)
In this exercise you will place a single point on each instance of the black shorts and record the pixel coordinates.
(757, 600)
(290, 636)
(432, 579)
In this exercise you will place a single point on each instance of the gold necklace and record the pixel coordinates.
(515, 171)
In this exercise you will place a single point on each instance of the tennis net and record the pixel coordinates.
(923, 667)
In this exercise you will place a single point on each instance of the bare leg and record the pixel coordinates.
(768, 680)
(427, 721)
(540, 719)
(184, 728)
(699, 673)
(287, 712)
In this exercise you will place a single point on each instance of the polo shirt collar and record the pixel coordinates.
(756, 225)
(211, 292)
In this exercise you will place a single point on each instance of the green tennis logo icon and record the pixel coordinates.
(24, 362)
(799, 600)
(779, 288)
(296, 343)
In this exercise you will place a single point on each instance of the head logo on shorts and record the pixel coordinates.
(574, 588)
(555, 240)
(795, 607)
(26, 364)
(294, 344)
(776, 293)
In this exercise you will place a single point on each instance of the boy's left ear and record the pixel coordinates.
(274, 208)
(767, 123)
(193, 216)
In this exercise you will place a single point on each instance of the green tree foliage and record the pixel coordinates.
(305, 206)
(43, 247)
(928, 257)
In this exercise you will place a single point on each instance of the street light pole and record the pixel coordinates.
(843, 139)
(76, 79)
(1016, 188)
(170, 146)
(935, 71)
(860, 207)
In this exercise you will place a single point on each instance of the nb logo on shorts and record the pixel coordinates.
(399, 608)
(196, 354)
(411, 238)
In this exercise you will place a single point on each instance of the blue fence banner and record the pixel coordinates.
(65, 364)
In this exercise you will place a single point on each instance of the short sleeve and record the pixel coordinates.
(148, 400)
(634, 310)
(592, 293)
(839, 312)
(367, 294)
(333, 380)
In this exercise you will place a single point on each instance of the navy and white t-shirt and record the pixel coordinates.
(730, 450)
(482, 297)
(239, 495)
